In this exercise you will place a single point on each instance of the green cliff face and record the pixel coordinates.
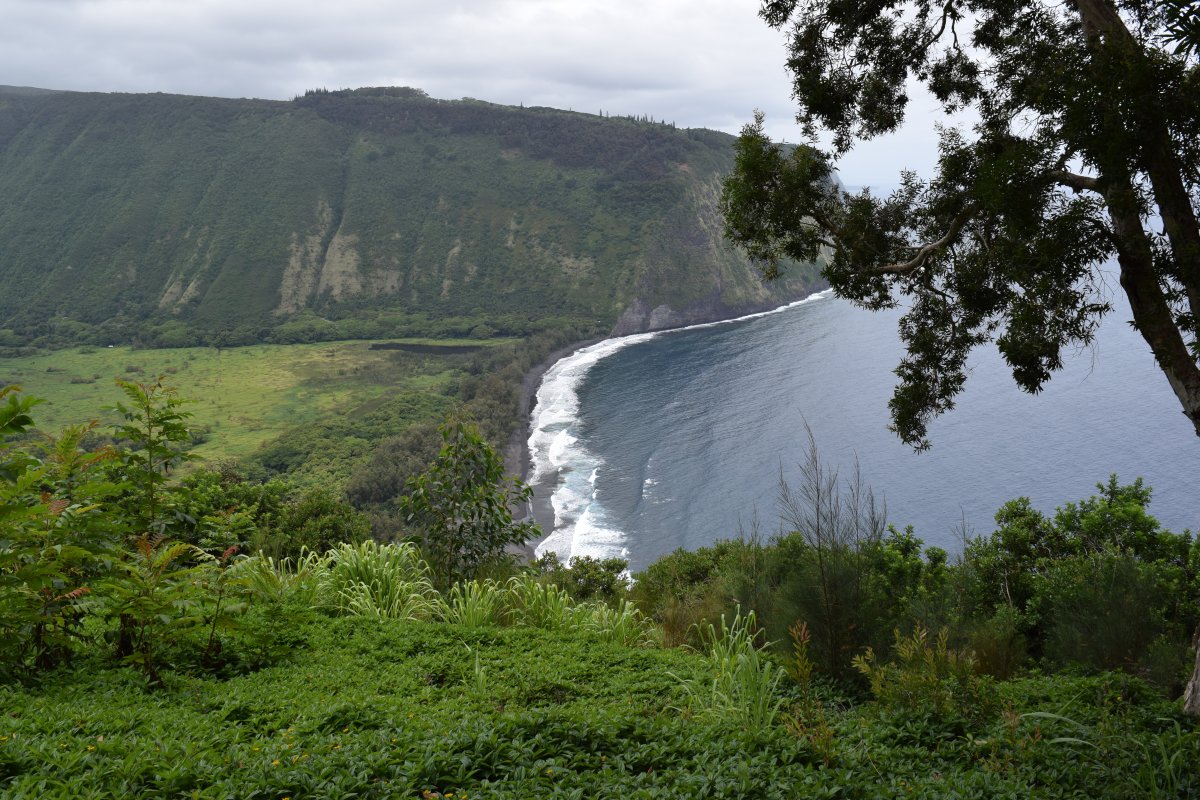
(212, 214)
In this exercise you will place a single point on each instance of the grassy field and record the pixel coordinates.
(245, 396)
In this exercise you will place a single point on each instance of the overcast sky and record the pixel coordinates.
(698, 63)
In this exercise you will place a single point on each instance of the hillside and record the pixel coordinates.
(166, 219)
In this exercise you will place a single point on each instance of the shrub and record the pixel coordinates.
(461, 506)
(370, 579)
(1103, 610)
(928, 678)
(999, 644)
(317, 521)
(585, 577)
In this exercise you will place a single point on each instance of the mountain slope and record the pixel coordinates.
(206, 214)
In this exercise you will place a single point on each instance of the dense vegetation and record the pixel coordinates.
(216, 636)
(174, 221)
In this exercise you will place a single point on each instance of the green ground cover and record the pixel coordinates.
(141, 655)
(244, 396)
(384, 708)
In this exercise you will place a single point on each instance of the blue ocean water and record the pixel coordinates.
(678, 439)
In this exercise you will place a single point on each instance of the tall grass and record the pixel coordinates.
(745, 683)
(1164, 763)
(392, 581)
(266, 578)
(389, 581)
(539, 605)
(475, 604)
(623, 625)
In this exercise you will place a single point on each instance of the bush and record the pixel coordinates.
(928, 678)
(317, 521)
(998, 644)
(585, 577)
(1103, 610)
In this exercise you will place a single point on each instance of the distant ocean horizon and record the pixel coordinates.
(652, 442)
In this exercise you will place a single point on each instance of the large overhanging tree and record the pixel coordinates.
(1086, 150)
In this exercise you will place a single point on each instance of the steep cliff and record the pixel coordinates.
(171, 215)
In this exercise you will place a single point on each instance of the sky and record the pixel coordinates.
(699, 63)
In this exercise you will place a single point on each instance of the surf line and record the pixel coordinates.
(562, 465)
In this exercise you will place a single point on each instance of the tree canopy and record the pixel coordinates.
(1086, 148)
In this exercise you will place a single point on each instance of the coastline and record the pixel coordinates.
(517, 457)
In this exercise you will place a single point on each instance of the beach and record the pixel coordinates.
(517, 459)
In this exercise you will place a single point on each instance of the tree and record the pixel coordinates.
(1087, 147)
(462, 505)
(1088, 132)
(156, 430)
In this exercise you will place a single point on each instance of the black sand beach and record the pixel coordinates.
(517, 459)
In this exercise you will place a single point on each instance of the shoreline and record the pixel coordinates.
(517, 457)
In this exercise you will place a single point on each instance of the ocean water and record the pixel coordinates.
(652, 442)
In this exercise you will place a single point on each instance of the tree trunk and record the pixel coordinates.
(1151, 311)
(1191, 697)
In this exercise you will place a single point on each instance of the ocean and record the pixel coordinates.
(653, 442)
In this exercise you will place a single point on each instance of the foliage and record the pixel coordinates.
(1159, 761)
(586, 577)
(561, 697)
(745, 683)
(928, 678)
(1106, 610)
(222, 510)
(155, 428)
(272, 581)
(476, 603)
(1096, 584)
(316, 521)
(461, 509)
(388, 581)
(154, 596)
(1086, 134)
(53, 540)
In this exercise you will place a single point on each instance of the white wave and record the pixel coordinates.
(555, 450)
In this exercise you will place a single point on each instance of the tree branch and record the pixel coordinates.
(1080, 183)
(923, 254)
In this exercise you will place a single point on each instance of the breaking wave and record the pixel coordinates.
(561, 462)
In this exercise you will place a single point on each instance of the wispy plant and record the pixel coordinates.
(478, 678)
(1164, 765)
(623, 624)
(540, 605)
(266, 578)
